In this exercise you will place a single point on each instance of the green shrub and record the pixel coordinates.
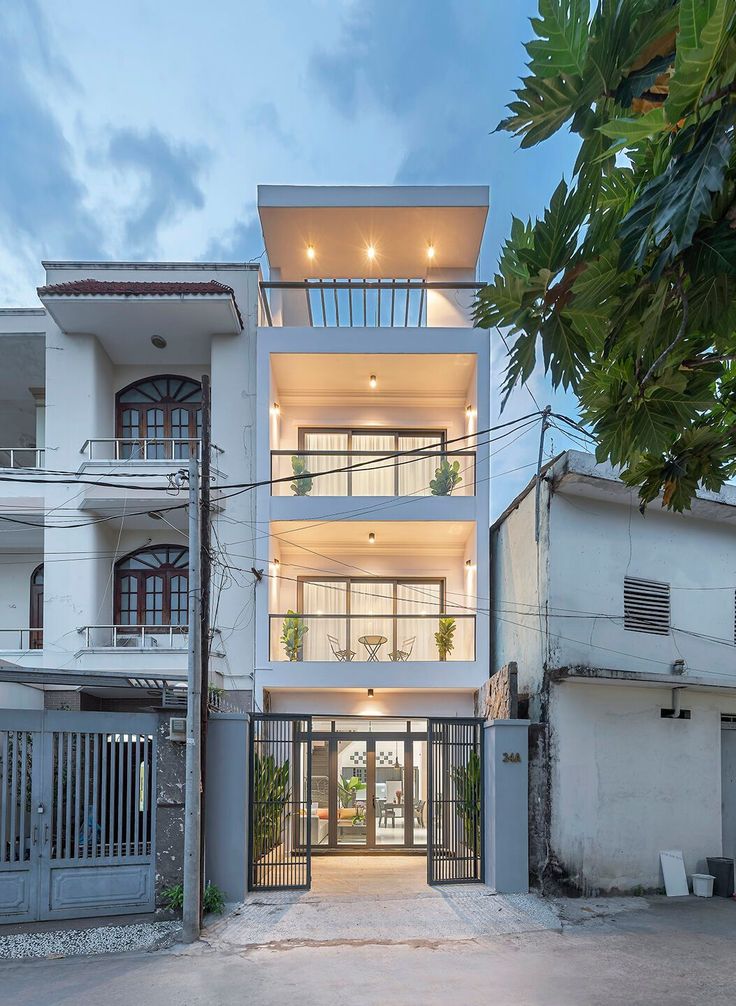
(212, 902)
(446, 477)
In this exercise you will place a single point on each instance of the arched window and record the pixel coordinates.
(151, 586)
(159, 418)
(36, 613)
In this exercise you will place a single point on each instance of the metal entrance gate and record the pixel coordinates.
(455, 825)
(77, 814)
(280, 820)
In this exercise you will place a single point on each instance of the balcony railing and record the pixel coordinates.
(135, 637)
(142, 449)
(21, 639)
(21, 457)
(347, 638)
(360, 303)
(392, 473)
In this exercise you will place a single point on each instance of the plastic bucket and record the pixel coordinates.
(703, 885)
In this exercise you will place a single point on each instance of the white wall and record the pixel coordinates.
(595, 543)
(14, 696)
(627, 783)
(384, 703)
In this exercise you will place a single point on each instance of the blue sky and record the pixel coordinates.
(141, 130)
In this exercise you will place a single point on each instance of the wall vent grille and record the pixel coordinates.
(646, 606)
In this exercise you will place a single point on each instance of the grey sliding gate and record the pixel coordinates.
(77, 814)
(280, 828)
(455, 825)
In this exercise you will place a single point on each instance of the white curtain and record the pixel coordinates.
(324, 598)
(373, 604)
(418, 599)
(335, 484)
(414, 477)
(376, 477)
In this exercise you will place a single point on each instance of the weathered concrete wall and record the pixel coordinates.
(506, 796)
(170, 771)
(538, 804)
(498, 697)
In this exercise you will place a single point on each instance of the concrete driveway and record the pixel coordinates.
(413, 947)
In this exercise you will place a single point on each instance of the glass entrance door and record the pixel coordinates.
(369, 791)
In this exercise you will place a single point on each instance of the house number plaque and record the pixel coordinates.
(511, 756)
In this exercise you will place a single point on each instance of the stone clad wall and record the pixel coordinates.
(498, 697)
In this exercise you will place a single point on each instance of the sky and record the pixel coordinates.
(140, 130)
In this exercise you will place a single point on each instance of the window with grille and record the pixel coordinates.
(151, 586)
(646, 606)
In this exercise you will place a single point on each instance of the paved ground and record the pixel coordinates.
(609, 951)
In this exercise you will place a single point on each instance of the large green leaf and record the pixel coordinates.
(705, 28)
(714, 251)
(566, 352)
(638, 81)
(542, 106)
(670, 206)
(628, 131)
(562, 30)
(522, 358)
(555, 235)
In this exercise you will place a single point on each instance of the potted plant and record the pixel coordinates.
(446, 477)
(293, 631)
(467, 779)
(302, 484)
(347, 789)
(445, 637)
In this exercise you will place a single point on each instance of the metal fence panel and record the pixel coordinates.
(455, 801)
(280, 773)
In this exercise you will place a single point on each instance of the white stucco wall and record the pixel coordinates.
(626, 783)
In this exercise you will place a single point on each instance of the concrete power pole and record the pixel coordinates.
(193, 782)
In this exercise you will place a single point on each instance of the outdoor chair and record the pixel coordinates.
(341, 655)
(405, 650)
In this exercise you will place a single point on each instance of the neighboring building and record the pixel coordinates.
(622, 628)
(104, 383)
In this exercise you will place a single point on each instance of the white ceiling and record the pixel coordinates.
(427, 537)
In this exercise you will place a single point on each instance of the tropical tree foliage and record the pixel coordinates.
(627, 283)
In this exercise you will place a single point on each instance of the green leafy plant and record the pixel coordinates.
(213, 901)
(627, 283)
(446, 477)
(347, 790)
(293, 631)
(302, 484)
(467, 779)
(445, 637)
(271, 793)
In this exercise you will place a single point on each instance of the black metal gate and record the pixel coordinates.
(455, 825)
(280, 819)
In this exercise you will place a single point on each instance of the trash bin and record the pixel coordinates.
(703, 885)
(722, 870)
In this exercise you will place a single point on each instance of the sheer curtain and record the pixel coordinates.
(324, 598)
(373, 602)
(414, 478)
(379, 480)
(418, 599)
(335, 484)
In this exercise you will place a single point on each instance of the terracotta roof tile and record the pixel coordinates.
(125, 288)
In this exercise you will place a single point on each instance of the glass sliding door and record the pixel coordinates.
(417, 634)
(327, 635)
(336, 483)
(391, 797)
(352, 792)
(375, 477)
(419, 774)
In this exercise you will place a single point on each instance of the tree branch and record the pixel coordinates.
(680, 335)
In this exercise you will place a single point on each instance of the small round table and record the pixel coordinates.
(373, 644)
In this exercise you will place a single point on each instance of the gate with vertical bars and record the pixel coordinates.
(77, 814)
(455, 820)
(280, 773)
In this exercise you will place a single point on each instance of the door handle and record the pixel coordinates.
(35, 834)
(45, 834)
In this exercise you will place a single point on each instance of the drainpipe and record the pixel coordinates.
(676, 701)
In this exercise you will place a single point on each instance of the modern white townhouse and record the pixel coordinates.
(622, 629)
(349, 384)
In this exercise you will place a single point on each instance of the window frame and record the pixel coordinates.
(167, 405)
(167, 572)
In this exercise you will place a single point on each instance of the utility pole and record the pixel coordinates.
(538, 488)
(205, 640)
(193, 787)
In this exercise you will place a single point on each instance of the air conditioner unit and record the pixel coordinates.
(178, 729)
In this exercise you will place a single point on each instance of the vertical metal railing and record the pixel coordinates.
(279, 840)
(455, 784)
(16, 766)
(21, 457)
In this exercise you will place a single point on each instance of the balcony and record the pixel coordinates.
(365, 473)
(135, 637)
(19, 639)
(398, 638)
(21, 457)
(368, 303)
(143, 449)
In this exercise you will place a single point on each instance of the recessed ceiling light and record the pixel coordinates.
(370, 693)
(310, 252)
(430, 251)
(372, 380)
(371, 538)
(158, 341)
(371, 252)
